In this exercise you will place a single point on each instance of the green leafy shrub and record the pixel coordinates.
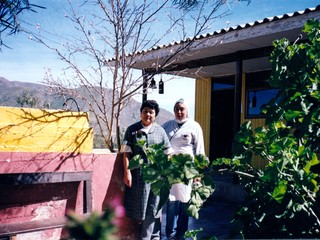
(283, 198)
(162, 173)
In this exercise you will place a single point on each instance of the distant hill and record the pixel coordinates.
(10, 91)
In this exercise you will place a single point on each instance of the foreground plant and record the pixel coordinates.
(283, 198)
(162, 173)
(96, 226)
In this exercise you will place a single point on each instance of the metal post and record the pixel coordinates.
(237, 95)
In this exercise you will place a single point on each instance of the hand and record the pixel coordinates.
(127, 178)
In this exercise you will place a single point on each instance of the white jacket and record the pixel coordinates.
(188, 139)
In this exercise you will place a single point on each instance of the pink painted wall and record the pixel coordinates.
(108, 188)
(36, 202)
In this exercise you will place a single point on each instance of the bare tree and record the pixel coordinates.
(190, 4)
(107, 41)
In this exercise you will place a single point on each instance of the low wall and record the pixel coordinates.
(42, 141)
(41, 202)
(108, 188)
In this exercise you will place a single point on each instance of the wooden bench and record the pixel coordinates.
(12, 229)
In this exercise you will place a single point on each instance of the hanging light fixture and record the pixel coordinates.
(254, 100)
(153, 84)
(161, 86)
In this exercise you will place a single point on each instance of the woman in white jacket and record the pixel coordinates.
(186, 137)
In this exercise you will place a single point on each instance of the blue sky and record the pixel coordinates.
(26, 60)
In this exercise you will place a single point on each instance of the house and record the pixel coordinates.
(231, 68)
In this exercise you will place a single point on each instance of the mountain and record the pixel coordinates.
(14, 94)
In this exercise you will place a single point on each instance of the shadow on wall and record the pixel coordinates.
(128, 229)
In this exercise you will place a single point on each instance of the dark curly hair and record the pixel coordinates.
(150, 104)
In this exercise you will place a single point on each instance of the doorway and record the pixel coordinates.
(221, 120)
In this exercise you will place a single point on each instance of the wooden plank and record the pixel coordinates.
(40, 178)
(87, 196)
(202, 108)
(10, 229)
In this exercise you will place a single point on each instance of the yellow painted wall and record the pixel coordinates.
(35, 130)
(202, 113)
(255, 123)
(202, 108)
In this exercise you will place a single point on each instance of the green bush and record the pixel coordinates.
(283, 198)
(162, 173)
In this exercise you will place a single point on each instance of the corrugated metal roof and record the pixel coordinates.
(230, 29)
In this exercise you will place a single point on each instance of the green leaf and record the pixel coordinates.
(201, 161)
(190, 171)
(159, 186)
(293, 114)
(164, 196)
(313, 162)
(192, 234)
(193, 211)
(280, 191)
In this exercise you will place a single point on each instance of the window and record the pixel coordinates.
(220, 86)
(223, 83)
(256, 98)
